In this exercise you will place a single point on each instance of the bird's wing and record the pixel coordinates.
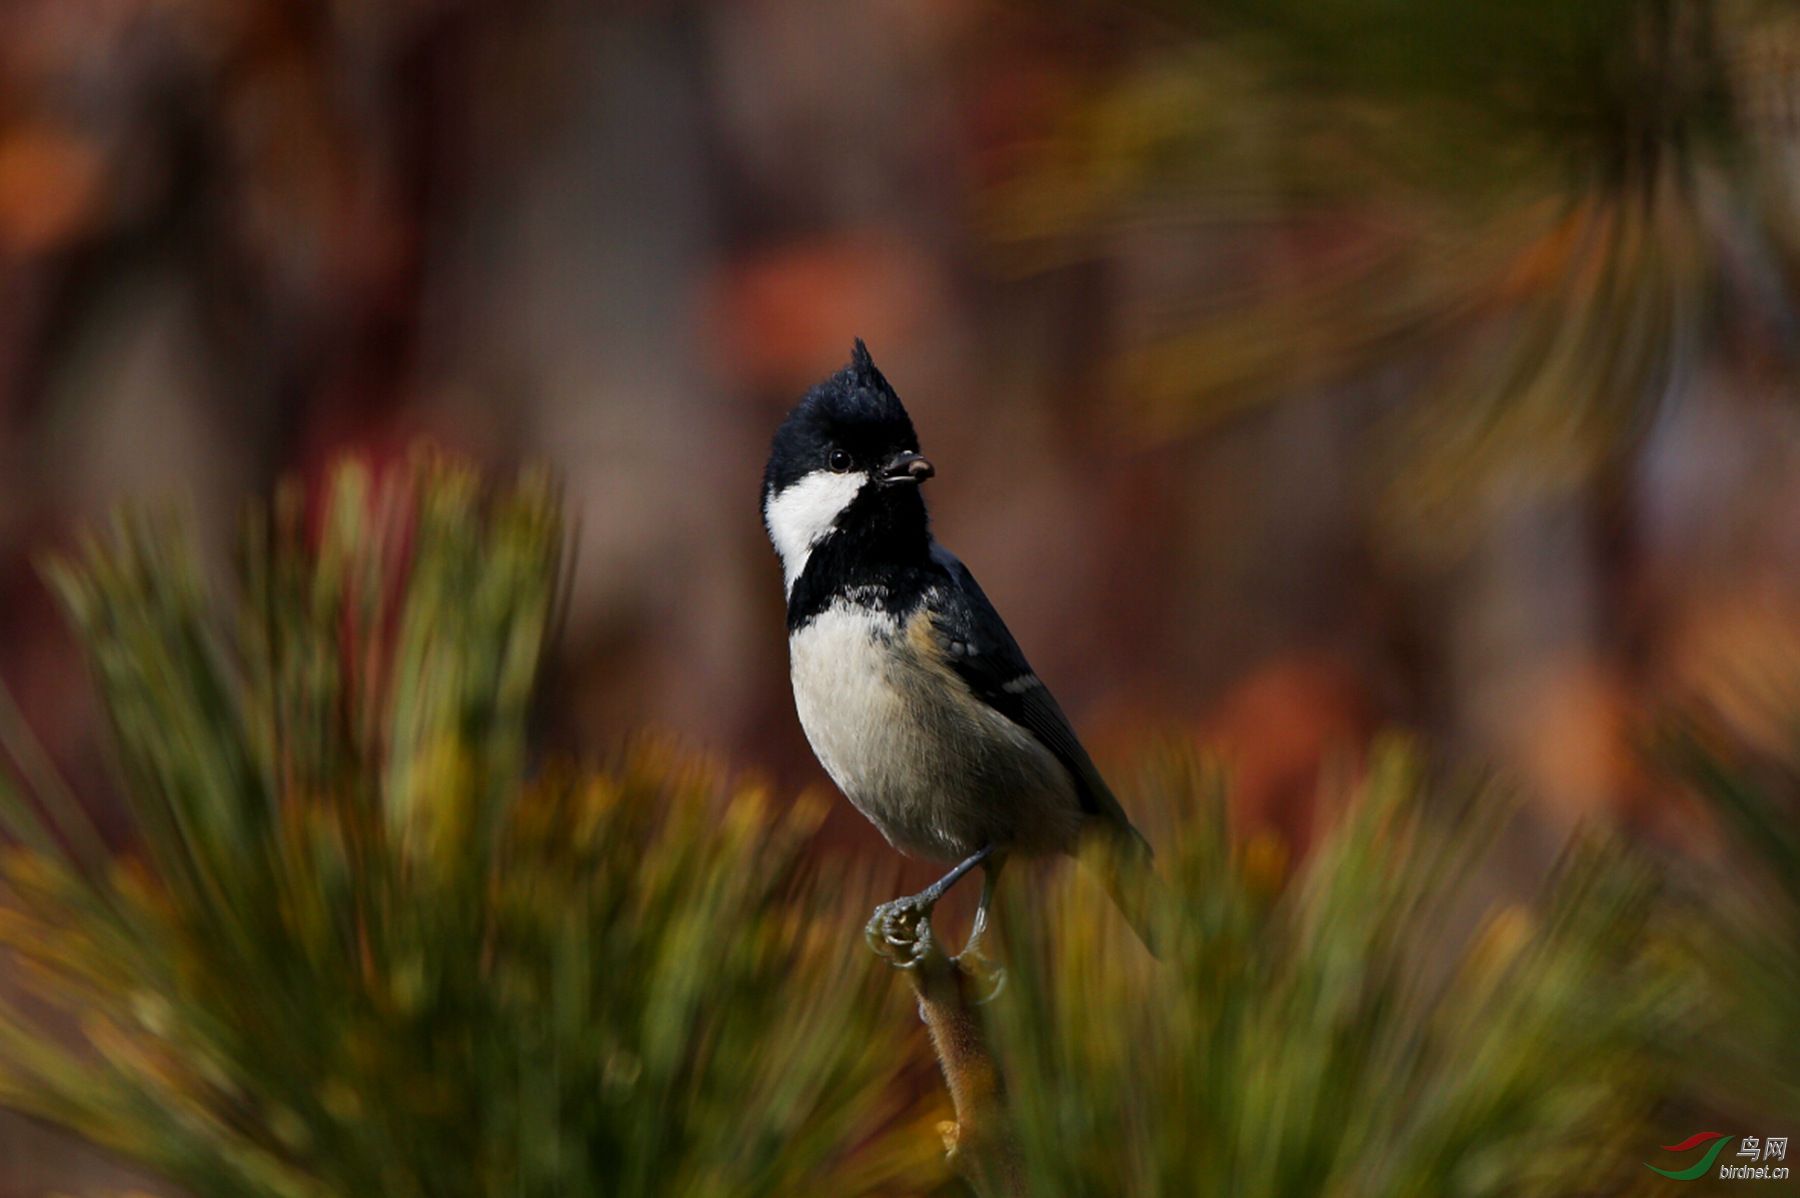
(978, 646)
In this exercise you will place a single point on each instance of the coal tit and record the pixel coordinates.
(914, 696)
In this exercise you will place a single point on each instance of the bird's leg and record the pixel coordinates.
(932, 893)
(989, 978)
(990, 879)
(900, 929)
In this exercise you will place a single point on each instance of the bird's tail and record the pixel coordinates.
(1120, 857)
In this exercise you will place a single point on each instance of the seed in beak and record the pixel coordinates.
(908, 468)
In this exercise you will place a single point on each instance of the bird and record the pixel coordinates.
(914, 696)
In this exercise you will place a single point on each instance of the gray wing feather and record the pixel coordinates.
(982, 651)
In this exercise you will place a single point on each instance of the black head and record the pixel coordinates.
(846, 460)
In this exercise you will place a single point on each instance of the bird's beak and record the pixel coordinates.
(907, 468)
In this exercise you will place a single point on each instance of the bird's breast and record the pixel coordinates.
(938, 772)
(844, 691)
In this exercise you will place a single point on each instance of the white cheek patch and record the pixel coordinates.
(799, 516)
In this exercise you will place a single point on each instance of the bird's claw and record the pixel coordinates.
(900, 931)
(989, 978)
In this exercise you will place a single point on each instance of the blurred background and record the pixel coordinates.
(1291, 368)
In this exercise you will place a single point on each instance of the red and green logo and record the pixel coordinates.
(1715, 1141)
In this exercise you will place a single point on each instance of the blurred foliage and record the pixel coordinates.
(1733, 742)
(363, 944)
(1359, 1027)
(1539, 219)
(360, 949)
(1743, 925)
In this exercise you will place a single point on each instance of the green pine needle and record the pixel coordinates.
(363, 947)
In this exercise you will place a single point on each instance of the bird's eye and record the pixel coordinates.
(839, 461)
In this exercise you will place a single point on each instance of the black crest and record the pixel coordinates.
(880, 545)
(855, 410)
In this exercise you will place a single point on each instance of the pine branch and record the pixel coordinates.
(977, 1143)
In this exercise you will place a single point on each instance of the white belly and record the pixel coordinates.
(938, 772)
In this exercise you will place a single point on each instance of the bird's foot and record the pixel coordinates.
(987, 978)
(972, 946)
(900, 931)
